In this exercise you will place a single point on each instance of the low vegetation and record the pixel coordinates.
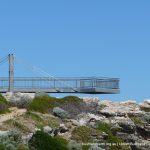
(13, 124)
(3, 105)
(42, 141)
(45, 104)
(42, 120)
(137, 120)
(11, 141)
(42, 104)
(104, 127)
(112, 139)
(84, 134)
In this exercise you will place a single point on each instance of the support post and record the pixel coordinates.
(11, 72)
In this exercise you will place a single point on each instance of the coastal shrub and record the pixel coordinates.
(33, 116)
(60, 140)
(73, 105)
(42, 104)
(17, 125)
(85, 147)
(42, 120)
(84, 134)
(146, 117)
(73, 145)
(60, 113)
(23, 147)
(3, 105)
(45, 104)
(104, 127)
(2, 146)
(42, 141)
(116, 143)
(137, 120)
(73, 99)
(10, 140)
(2, 99)
(112, 139)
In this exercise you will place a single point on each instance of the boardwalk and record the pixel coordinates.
(61, 85)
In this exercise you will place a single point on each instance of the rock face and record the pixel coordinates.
(18, 96)
(145, 105)
(126, 124)
(19, 99)
(129, 120)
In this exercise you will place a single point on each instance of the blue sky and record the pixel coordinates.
(81, 38)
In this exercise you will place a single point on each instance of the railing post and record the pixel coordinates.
(11, 72)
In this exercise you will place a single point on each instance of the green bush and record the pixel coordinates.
(137, 120)
(22, 147)
(73, 105)
(116, 140)
(3, 105)
(104, 127)
(42, 120)
(84, 134)
(73, 145)
(42, 104)
(73, 99)
(146, 117)
(42, 141)
(112, 139)
(2, 146)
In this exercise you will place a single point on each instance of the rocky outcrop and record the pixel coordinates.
(102, 121)
(18, 96)
(145, 105)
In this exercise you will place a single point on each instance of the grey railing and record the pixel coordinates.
(61, 84)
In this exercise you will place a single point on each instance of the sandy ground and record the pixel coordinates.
(14, 112)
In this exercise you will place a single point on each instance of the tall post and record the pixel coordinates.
(11, 72)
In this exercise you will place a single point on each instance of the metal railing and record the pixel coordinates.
(61, 83)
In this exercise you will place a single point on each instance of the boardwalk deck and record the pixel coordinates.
(91, 85)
